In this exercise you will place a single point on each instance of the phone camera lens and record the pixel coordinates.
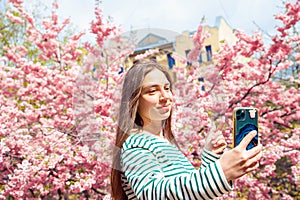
(243, 115)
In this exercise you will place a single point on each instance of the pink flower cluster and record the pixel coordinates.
(101, 29)
(49, 164)
(58, 110)
(43, 150)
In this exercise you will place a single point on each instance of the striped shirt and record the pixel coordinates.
(153, 168)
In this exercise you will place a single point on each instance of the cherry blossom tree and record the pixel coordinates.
(44, 151)
(58, 106)
(245, 74)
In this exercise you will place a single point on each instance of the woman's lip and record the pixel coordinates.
(164, 106)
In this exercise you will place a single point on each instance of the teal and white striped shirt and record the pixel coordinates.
(153, 168)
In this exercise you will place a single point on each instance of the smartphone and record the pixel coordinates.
(245, 119)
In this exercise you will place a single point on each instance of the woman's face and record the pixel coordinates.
(156, 98)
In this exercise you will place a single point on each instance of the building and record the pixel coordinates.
(165, 43)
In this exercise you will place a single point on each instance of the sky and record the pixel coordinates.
(180, 15)
(177, 15)
(174, 15)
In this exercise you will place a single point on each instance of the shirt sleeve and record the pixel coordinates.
(147, 179)
(208, 157)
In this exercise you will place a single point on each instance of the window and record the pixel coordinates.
(171, 61)
(200, 58)
(186, 54)
(201, 79)
(208, 53)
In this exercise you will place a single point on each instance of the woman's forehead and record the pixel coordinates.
(155, 77)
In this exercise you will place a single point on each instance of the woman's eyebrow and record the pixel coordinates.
(155, 85)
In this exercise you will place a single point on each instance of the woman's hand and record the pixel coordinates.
(239, 161)
(215, 141)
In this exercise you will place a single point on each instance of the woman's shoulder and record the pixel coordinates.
(141, 139)
(138, 137)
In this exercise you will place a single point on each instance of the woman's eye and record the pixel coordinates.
(151, 91)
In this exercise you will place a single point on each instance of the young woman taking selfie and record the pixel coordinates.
(147, 162)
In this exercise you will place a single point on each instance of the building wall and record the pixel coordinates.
(225, 31)
(218, 34)
(183, 42)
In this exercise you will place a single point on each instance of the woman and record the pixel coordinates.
(148, 164)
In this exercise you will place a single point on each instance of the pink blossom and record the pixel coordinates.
(13, 18)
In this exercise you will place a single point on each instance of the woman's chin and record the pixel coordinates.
(165, 115)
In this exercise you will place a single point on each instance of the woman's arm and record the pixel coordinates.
(208, 157)
(148, 181)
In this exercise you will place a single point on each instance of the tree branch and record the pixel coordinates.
(255, 85)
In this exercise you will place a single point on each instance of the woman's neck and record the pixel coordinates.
(154, 128)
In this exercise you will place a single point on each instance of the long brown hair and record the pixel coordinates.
(129, 118)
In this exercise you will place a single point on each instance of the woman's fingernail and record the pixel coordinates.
(254, 132)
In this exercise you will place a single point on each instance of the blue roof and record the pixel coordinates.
(151, 46)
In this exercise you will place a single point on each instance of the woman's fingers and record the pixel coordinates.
(253, 163)
(255, 152)
(215, 140)
(247, 139)
(220, 125)
(219, 145)
(239, 161)
(218, 139)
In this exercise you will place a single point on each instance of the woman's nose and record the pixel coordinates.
(164, 94)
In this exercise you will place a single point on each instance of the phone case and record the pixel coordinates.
(245, 119)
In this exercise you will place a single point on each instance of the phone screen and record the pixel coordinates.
(245, 121)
